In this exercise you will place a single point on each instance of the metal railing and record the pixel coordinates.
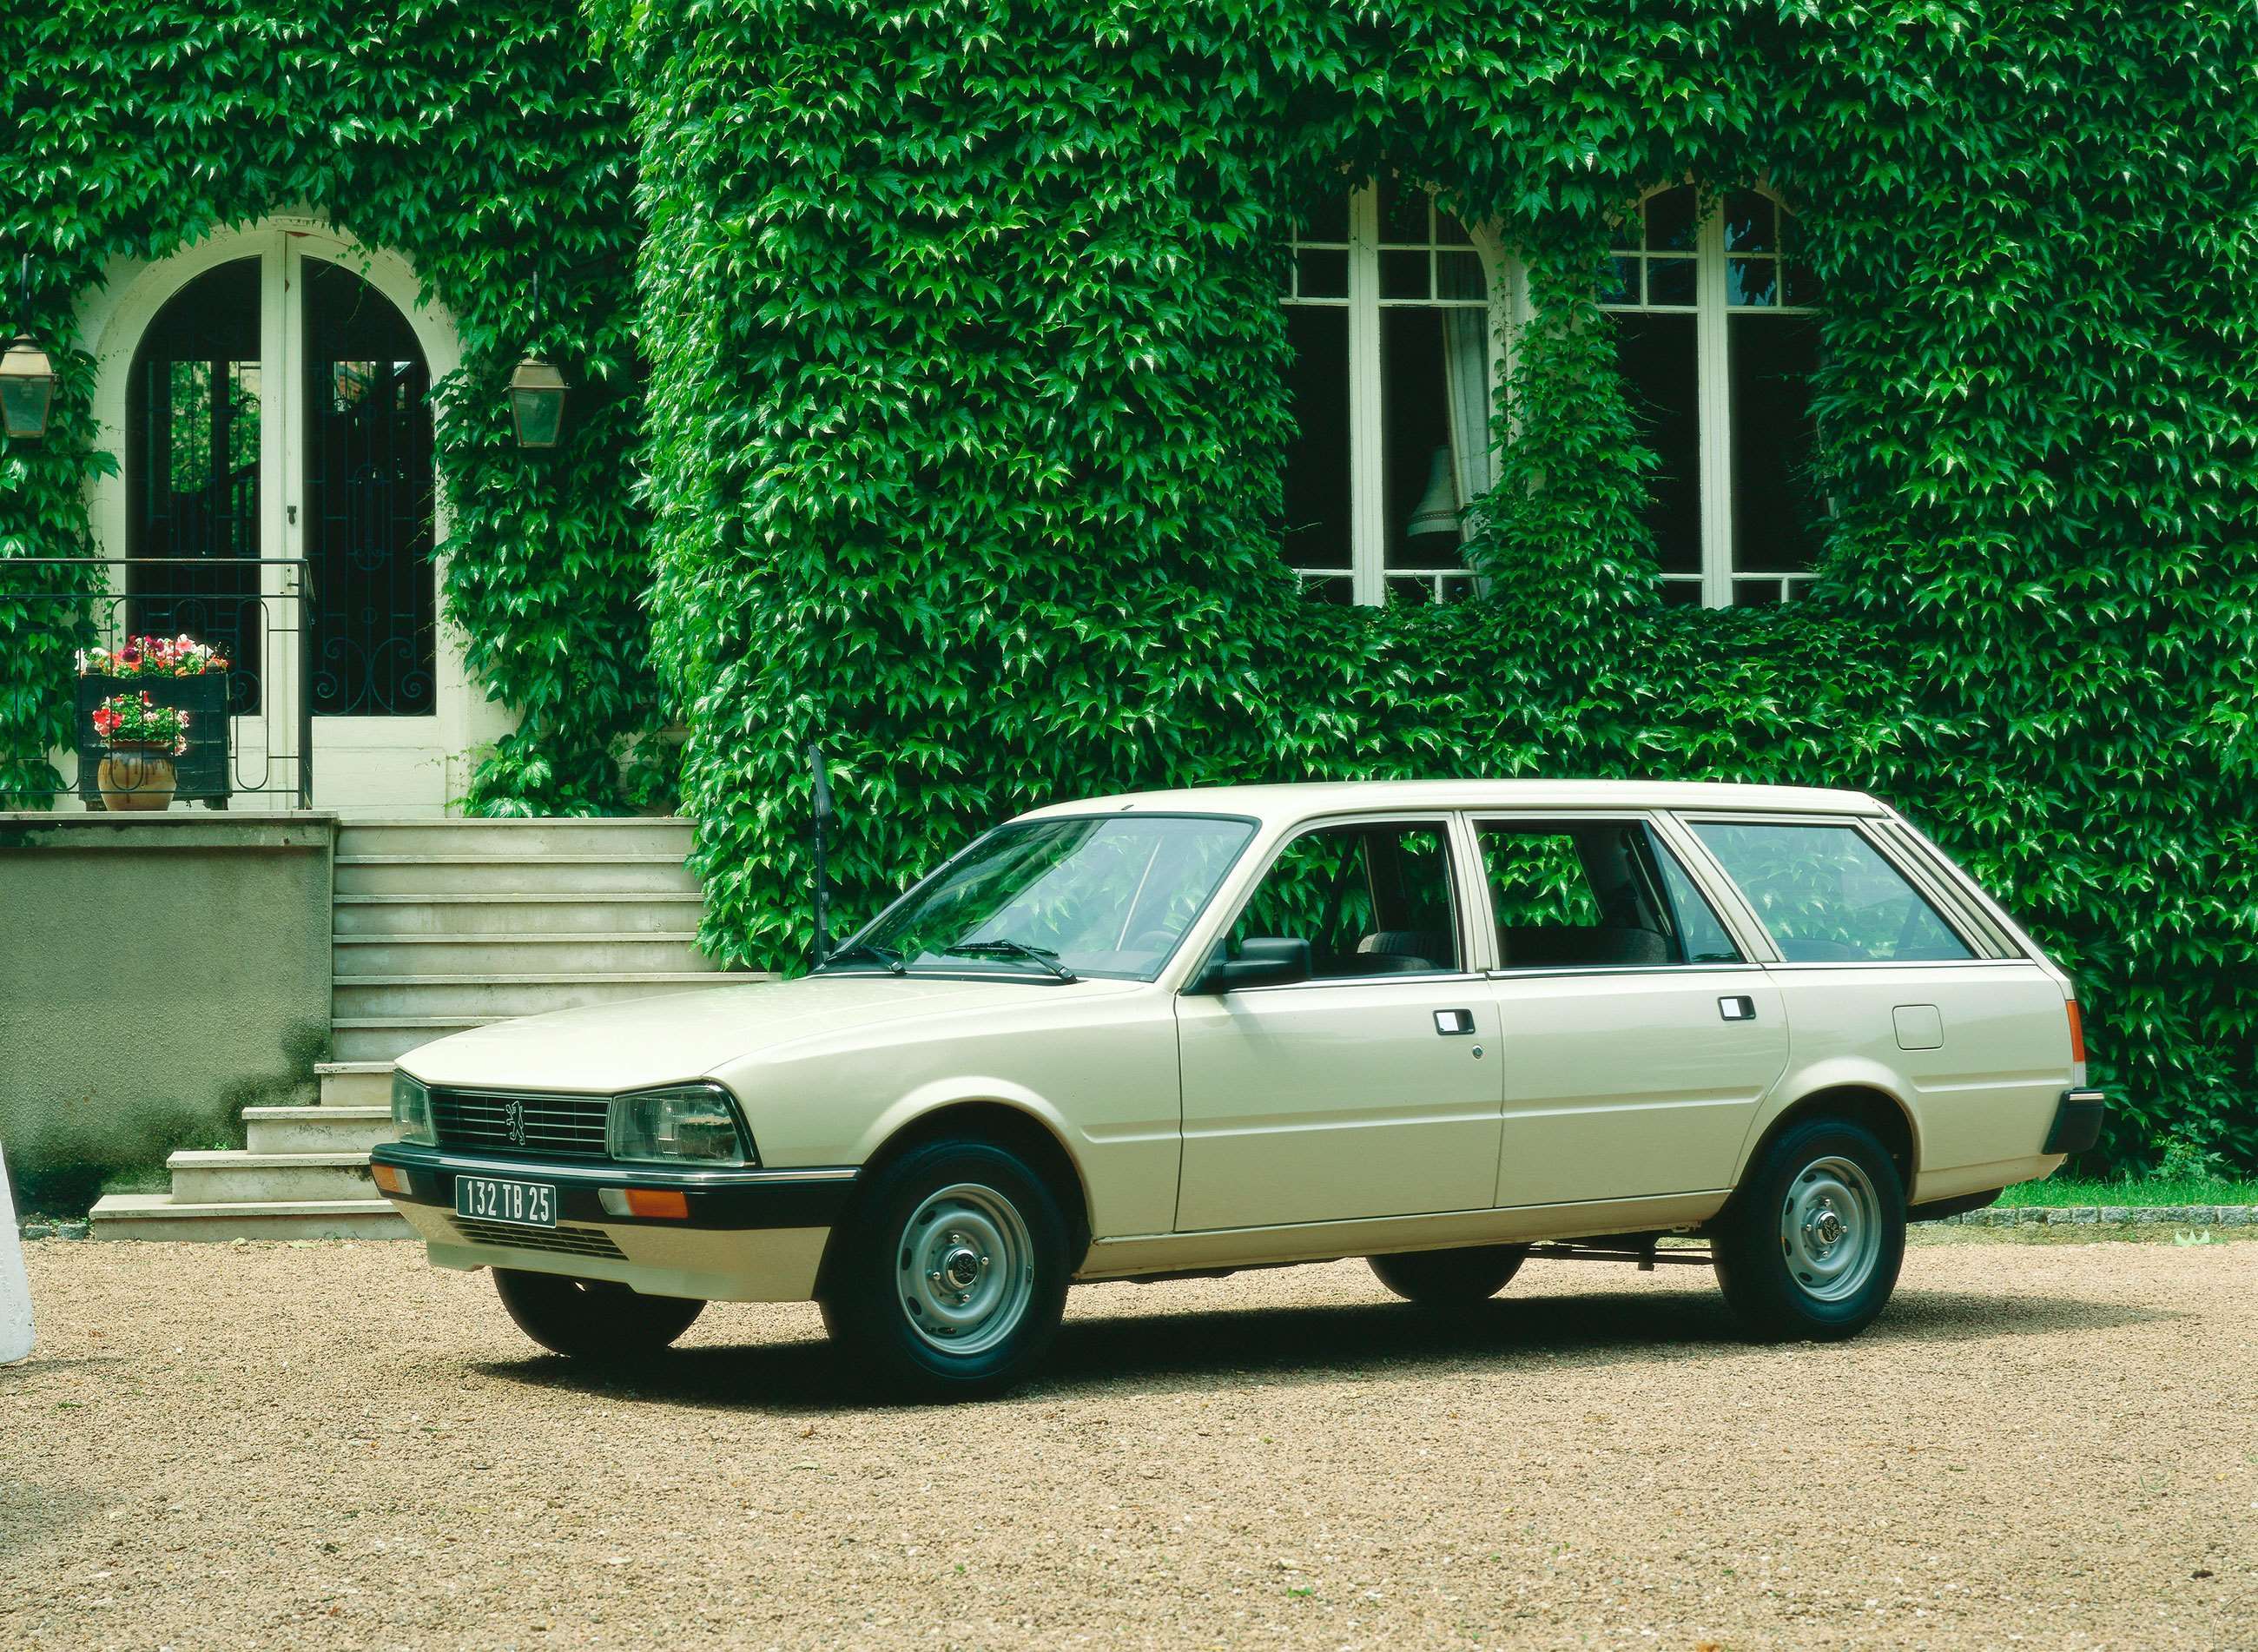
(251, 731)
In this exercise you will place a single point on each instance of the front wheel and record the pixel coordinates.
(593, 1319)
(1809, 1249)
(948, 1279)
(1442, 1278)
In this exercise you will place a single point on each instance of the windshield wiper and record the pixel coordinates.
(1041, 957)
(884, 956)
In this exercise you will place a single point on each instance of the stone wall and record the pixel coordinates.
(157, 974)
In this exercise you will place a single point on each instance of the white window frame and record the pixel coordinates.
(1369, 576)
(1711, 310)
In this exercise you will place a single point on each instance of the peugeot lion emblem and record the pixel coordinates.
(512, 1120)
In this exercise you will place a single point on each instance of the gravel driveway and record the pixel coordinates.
(334, 1445)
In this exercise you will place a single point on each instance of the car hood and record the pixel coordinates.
(639, 1043)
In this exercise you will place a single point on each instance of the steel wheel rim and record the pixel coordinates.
(964, 1269)
(1830, 1229)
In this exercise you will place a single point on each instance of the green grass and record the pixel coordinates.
(2150, 1190)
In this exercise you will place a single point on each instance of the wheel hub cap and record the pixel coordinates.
(1830, 1229)
(965, 1268)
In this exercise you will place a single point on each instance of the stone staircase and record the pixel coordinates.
(438, 925)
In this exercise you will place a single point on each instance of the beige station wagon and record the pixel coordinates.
(1448, 1026)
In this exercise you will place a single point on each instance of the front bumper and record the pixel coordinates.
(2077, 1121)
(749, 1236)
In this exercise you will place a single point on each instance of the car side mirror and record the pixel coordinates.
(1263, 961)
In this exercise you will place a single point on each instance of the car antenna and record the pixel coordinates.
(820, 784)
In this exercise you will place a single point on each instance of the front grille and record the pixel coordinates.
(549, 1126)
(570, 1241)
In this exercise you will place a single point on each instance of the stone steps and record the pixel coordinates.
(437, 926)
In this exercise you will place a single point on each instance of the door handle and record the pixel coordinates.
(1454, 1024)
(1737, 1007)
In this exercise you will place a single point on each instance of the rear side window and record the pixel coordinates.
(1828, 896)
(1594, 894)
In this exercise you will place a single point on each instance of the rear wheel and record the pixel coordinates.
(593, 1319)
(948, 1279)
(1439, 1279)
(1809, 1250)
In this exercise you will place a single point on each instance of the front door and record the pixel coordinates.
(1637, 1039)
(280, 503)
(1370, 1089)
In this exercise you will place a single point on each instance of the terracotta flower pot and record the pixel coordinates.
(137, 775)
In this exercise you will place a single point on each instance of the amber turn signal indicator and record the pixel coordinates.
(391, 1181)
(651, 1201)
(2077, 1034)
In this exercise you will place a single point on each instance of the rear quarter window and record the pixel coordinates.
(1828, 896)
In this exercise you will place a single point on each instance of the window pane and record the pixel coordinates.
(1800, 287)
(1328, 220)
(1671, 222)
(1459, 275)
(1657, 359)
(1371, 899)
(1581, 894)
(1829, 897)
(1403, 215)
(1449, 232)
(1670, 281)
(1748, 223)
(1624, 287)
(1403, 275)
(1320, 274)
(1753, 282)
(1316, 523)
(1419, 501)
(1700, 930)
(1777, 506)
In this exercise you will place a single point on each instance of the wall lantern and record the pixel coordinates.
(536, 403)
(27, 377)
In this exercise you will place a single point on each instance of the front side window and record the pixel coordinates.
(1370, 899)
(1828, 896)
(1388, 308)
(1098, 894)
(1717, 340)
(1594, 894)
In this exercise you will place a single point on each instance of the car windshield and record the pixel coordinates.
(1087, 894)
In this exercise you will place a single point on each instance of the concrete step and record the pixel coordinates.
(227, 1178)
(328, 1128)
(487, 874)
(595, 952)
(493, 997)
(591, 912)
(515, 839)
(355, 1083)
(156, 1216)
(386, 1038)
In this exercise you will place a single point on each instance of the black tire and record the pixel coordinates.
(593, 1320)
(948, 1211)
(1444, 1278)
(1781, 1277)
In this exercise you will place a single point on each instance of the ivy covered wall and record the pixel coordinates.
(967, 415)
(483, 139)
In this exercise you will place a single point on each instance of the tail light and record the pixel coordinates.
(2077, 1043)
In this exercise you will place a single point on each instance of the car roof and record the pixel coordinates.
(1280, 805)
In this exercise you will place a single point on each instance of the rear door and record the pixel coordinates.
(1369, 1089)
(1638, 1037)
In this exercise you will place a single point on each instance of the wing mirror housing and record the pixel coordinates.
(1263, 961)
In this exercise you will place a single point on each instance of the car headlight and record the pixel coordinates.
(691, 1123)
(411, 1110)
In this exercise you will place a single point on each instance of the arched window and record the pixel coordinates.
(1390, 313)
(1718, 336)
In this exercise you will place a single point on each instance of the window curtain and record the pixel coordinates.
(1465, 381)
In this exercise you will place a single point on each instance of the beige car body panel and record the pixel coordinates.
(1330, 1119)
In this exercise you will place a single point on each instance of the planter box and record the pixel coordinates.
(204, 775)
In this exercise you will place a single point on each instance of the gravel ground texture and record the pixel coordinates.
(267, 1445)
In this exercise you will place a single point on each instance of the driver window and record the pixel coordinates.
(1371, 899)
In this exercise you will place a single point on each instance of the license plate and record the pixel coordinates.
(489, 1199)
